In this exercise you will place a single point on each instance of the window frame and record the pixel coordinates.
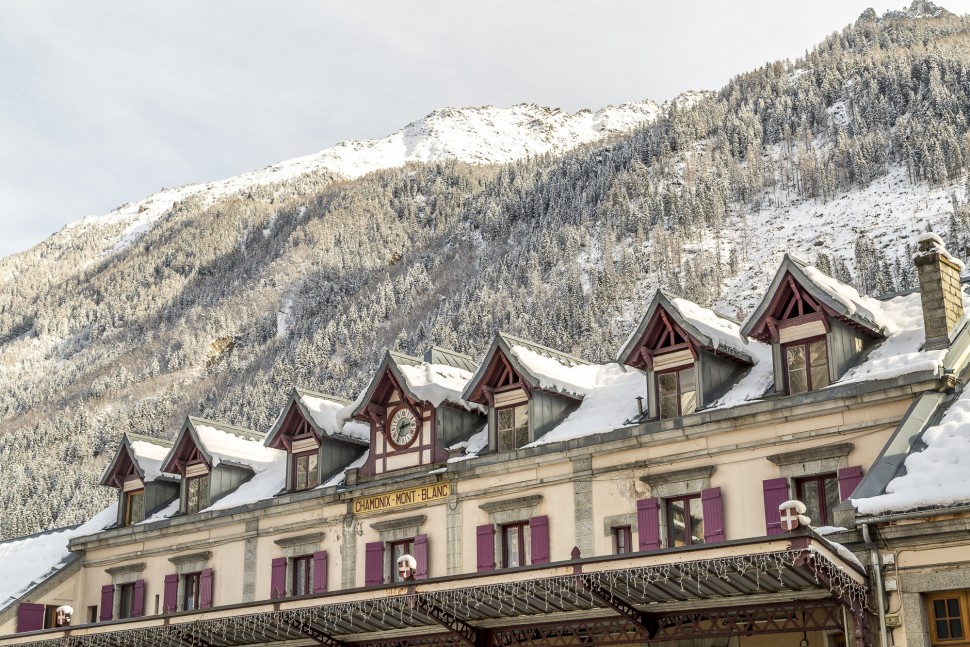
(676, 371)
(126, 593)
(819, 481)
(498, 429)
(294, 463)
(518, 527)
(408, 546)
(307, 561)
(806, 342)
(195, 577)
(198, 498)
(668, 512)
(931, 620)
(128, 497)
(624, 533)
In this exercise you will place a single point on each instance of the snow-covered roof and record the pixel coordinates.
(144, 452)
(328, 415)
(711, 329)
(27, 561)
(539, 366)
(422, 381)
(222, 443)
(840, 298)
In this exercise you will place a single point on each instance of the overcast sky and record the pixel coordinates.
(105, 102)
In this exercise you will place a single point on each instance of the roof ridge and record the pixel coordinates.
(553, 353)
(148, 439)
(396, 355)
(322, 396)
(225, 426)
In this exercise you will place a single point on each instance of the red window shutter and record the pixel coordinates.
(320, 572)
(539, 529)
(277, 579)
(30, 617)
(107, 602)
(776, 493)
(486, 547)
(849, 479)
(205, 588)
(648, 523)
(138, 606)
(374, 564)
(171, 594)
(713, 515)
(421, 557)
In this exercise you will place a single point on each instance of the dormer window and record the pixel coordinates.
(691, 355)
(197, 493)
(677, 392)
(818, 327)
(305, 472)
(134, 506)
(806, 365)
(513, 427)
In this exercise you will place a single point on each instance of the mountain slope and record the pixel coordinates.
(227, 296)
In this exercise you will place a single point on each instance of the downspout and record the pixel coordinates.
(876, 562)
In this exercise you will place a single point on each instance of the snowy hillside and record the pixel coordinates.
(486, 135)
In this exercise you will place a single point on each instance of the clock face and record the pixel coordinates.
(402, 428)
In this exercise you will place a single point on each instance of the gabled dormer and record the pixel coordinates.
(691, 355)
(528, 389)
(415, 410)
(213, 460)
(315, 431)
(818, 327)
(135, 471)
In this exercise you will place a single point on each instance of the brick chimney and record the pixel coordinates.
(939, 286)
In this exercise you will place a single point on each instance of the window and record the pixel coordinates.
(820, 494)
(190, 593)
(134, 506)
(197, 497)
(303, 575)
(126, 602)
(305, 471)
(513, 544)
(399, 548)
(685, 521)
(622, 539)
(92, 614)
(948, 617)
(806, 365)
(677, 392)
(513, 427)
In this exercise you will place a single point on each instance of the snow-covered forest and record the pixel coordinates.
(221, 304)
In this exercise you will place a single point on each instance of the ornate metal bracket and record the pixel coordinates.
(645, 623)
(468, 634)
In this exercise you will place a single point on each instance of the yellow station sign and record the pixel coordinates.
(401, 498)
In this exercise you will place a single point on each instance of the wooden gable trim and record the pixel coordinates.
(123, 469)
(185, 453)
(499, 376)
(295, 424)
(791, 301)
(662, 335)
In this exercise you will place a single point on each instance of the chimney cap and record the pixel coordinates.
(929, 241)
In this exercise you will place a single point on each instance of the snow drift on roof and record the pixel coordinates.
(223, 445)
(437, 383)
(264, 485)
(722, 331)
(149, 457)
(610, 401)
(27, 561)
(326, 415)
(553, 376)
(854, 303)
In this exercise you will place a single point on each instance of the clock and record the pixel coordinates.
(402, 428)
